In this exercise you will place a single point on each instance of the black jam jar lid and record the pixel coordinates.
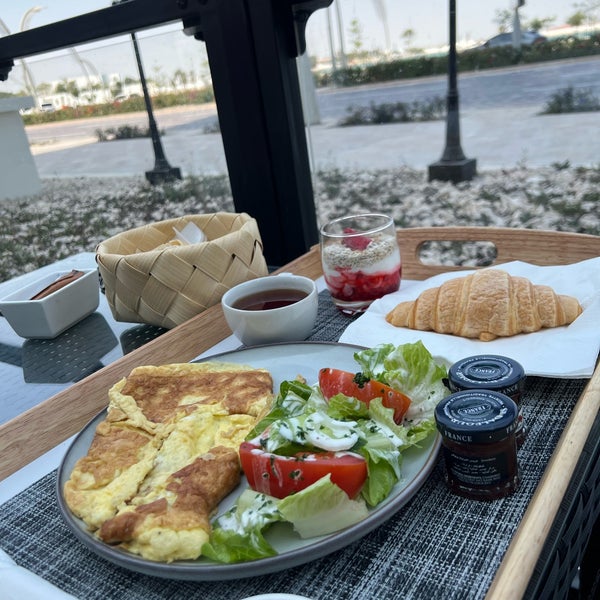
(485, 371)
(476, 416)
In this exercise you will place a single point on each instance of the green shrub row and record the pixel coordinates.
(125, 132)
(569, 100)
(395, 112)
(133, 104)
(468, 60)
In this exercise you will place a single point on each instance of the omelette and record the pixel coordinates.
(166, 454)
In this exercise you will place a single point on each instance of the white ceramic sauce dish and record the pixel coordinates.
(50, 316)
(289, 323)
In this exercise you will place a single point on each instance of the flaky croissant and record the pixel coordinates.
(488, 304)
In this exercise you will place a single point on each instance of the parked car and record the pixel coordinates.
(122, 97)
(528, 38)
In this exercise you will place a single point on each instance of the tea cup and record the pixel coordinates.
(275, 308)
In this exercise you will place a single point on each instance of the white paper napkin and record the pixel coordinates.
(569, 351)
(190, 234)
(17, 583)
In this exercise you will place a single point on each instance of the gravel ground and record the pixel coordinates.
(74, 215)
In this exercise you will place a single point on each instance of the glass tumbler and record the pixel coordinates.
(361, 260)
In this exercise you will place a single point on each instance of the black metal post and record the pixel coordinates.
(162, 170)
(252, 47)
(453, 166)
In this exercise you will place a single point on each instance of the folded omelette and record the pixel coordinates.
(166, 454)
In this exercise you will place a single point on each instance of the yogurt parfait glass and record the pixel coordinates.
(361, 260)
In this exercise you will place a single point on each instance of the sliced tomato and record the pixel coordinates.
(356, 385)
(281, 476)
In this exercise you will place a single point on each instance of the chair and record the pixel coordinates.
(538, 247)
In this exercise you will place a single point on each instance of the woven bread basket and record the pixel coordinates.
(149, 279)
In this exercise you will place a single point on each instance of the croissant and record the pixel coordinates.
(488, 304)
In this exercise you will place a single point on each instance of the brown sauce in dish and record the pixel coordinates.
(269, 299)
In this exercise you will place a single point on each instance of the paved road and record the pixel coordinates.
(48, 135)
(526, 86)
(501, 129)
(523, 86)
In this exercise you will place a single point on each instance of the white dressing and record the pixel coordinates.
(316, 429)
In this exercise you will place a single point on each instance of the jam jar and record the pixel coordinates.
(478, 443)
(491, 372)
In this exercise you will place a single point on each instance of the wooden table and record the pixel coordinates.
(43, 427)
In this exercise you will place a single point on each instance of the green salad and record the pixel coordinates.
(328, 452)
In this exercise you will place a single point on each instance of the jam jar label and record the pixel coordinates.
(489, 371)
(479, 443)
(493, 372)
(479, 472)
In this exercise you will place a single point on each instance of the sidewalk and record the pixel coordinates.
(496, 138)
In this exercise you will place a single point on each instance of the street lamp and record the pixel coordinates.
(453, 166)
(381, 10)
(162, 170)
(338, 11)
(27, 16)
(28, 75)
(517, 26)
(331, 45)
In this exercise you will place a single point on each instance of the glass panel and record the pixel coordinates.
(534, 170)
(102, 81)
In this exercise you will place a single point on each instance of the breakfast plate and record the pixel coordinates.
(284, 361)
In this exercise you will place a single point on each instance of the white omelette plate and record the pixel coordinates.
(284, 361)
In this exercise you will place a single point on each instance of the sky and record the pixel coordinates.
(428, 19)
(475, 18)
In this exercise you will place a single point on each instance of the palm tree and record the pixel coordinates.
(27, 74)
(408, 35)
(502, 18)
(381, 11)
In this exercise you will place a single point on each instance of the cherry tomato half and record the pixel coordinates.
(281, 476)
(336, 381)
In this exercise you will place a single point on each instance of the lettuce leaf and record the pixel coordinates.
(383, 476)
(321, 508)
(344, 407)
(237, 535)
(411, 369)
(292, 400)
(383, 441)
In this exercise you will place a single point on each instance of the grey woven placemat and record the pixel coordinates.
(436, 546)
